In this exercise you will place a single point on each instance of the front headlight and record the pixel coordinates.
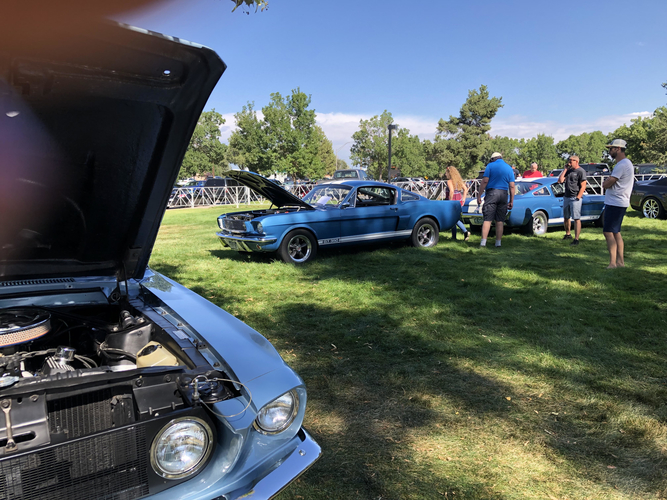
(220, 224)
(181, 448)
(259, 227)
(277, 416)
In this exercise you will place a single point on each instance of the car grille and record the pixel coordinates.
(91, 412)
(112, 466)
(234, 225)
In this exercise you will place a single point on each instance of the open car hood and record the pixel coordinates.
(264, 187)
(93, 130)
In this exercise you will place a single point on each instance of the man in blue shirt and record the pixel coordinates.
(497, 183)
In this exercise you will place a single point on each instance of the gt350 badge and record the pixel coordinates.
(329, 241)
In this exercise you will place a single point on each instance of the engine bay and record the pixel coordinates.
(41, 342)
(69, 372)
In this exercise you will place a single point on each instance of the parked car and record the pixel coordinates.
(350, 173)
(650, 198)
(117, 382)
(555, 172)
(334, 214)
(649, 168)
(595, 168)
(538, 204)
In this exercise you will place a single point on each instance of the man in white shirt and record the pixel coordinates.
(618, 187)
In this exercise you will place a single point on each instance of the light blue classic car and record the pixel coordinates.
(538, 205)
(333, 214)
(115, 381)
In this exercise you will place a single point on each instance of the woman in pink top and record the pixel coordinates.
(457, 190)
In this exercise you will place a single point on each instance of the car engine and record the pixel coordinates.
(67, 373)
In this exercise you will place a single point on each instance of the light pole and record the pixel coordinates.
(341, 147)
(391, 126)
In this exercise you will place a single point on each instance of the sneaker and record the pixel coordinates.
(567, 237)
(574, 242)
(467, 236)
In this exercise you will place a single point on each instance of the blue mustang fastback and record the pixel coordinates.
(333, 214)
(538, 205)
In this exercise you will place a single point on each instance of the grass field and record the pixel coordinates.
(526, 372)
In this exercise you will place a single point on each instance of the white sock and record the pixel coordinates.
(497, 243)
(483, 242)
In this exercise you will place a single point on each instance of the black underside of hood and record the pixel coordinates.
(93, 129)
(264, 187)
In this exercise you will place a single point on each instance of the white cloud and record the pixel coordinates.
(519, 128)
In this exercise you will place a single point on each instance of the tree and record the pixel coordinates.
(466, 135)
(541, 149)
(205, 152)
(291, 139)
(286, 140)
(259, 4)
(247, 144)
(589, 147)
(370, 147)
(511, 149)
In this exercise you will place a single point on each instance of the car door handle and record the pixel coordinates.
(395, 209)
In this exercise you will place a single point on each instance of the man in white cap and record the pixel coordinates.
(618, 187)
(498, 180)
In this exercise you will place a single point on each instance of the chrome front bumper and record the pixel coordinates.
(245, 243)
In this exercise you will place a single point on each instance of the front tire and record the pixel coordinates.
(298, 247)
(652, 209)
(425, 233)
(538, 223)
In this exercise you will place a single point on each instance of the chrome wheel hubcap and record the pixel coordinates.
(426, 235)
(299, 248)
(651, 209)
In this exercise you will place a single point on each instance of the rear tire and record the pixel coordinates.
(425, 233)
(538, 224)
(298, 247)
(652, 209)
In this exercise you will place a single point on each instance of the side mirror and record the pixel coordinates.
(345, 205)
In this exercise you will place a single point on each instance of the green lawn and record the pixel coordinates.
(455, 372)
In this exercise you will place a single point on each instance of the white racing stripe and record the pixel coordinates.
(364, 237)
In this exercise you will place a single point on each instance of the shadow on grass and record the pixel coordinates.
(374, 388)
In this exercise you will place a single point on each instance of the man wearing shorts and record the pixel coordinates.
(618, 187)
(575, 186)
(497, 182)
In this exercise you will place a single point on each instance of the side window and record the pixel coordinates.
(558, 189)
(542, 192)
(375, 196)
(232, 182)
(408, 196)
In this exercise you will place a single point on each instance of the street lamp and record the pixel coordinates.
(391, 126)
(341, 147)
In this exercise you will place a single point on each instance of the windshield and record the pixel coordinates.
(346, 174)
(326, 195)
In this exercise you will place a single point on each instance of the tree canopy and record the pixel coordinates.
(464, 138)
(205, 152)
(287, 140)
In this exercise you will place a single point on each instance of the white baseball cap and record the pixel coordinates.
(496, 155)
(617, 143)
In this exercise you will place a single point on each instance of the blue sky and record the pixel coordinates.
(561, 68)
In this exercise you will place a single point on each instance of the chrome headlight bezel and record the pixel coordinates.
(193, 469)
(280, 403)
